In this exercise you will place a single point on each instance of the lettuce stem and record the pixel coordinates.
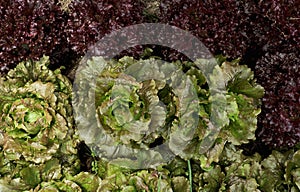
(190, 175)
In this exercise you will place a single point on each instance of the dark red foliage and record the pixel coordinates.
(91, 20)
(31, 28)
(279, 122)
(214, 23)
(237, 28)
(285, 17)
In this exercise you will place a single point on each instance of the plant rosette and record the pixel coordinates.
(143, 113)
(37, 136)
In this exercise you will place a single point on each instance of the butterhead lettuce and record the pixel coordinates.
(37, 136)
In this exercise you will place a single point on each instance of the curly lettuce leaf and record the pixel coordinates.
(272, 174)
(36, 126)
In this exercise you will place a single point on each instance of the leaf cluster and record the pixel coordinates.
(279, 122)
(266, 36)
(150, 104)
(238, 172)
(37, 136)
(33, 28)
(237, 28)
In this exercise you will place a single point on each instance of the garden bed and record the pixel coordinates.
(49, 142)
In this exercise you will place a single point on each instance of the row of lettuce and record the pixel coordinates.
(264, 34)
(140, 105)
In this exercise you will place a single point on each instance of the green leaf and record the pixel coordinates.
(292, 171)
(180, 184)
(272, 173)
(87, 181)
(212, 179)
(240, 80)
(31, 176)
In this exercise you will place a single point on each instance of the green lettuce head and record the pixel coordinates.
(136, 110)
(37, 136)
(235, 104)
(238, 172)
(143, 113)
